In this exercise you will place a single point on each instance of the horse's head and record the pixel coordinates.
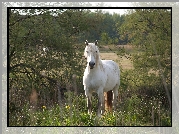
(91, 53)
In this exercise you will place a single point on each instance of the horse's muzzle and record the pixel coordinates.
(91, 64)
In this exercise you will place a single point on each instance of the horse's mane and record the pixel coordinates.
(98, 59)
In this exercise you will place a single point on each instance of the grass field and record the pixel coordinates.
(123, 61)
(137, 106)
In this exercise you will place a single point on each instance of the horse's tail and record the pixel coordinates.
(108, 100)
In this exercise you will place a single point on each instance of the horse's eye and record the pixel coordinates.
(96, 51)
(87, 51)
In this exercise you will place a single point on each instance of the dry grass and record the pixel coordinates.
(109, 56)
(123, 62)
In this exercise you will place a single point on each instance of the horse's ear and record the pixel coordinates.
(96, 42)
(86, 42)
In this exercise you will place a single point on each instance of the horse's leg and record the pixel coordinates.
(89, 103)
(103, 104)
(115, 96)
(100, 102)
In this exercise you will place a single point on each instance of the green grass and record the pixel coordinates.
(74, 113)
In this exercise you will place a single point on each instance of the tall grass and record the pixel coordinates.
(132, 112)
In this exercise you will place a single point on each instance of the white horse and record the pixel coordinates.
(100, 76)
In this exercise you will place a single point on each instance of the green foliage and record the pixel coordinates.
(30, 67)
(144, 100)
(134, 112)
(150, 31)
(109, 29)
(105, 39)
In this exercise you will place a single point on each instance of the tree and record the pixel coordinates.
(32, 29)
(150, 30)
(105, 38)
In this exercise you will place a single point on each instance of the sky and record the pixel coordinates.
(116, 4)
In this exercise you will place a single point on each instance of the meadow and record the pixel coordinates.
(141, 105)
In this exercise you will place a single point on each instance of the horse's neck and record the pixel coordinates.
(99, 64)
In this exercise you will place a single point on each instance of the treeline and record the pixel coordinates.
(107, 31)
